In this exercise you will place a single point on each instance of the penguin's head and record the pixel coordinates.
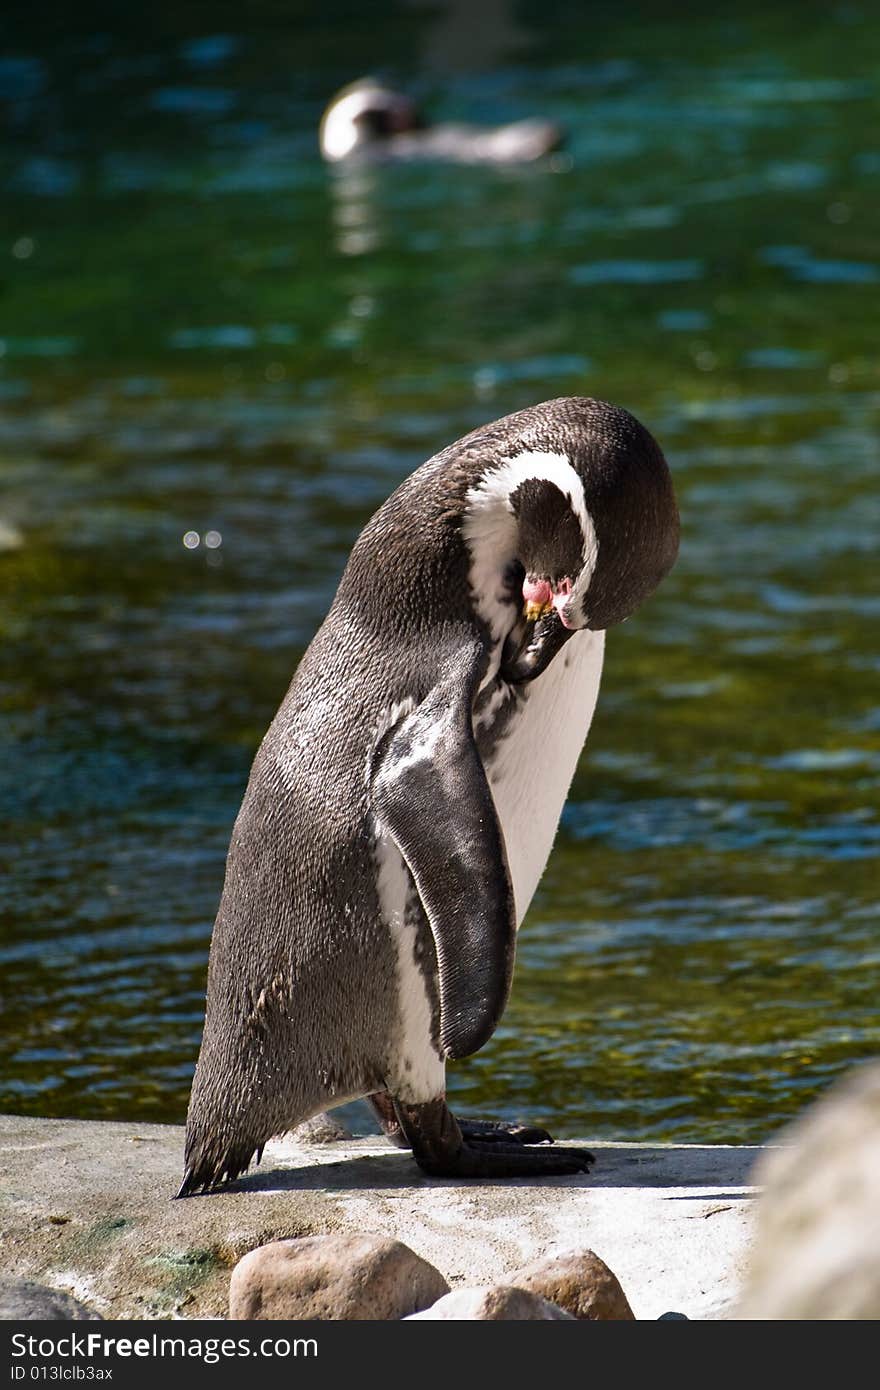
(362, 114)
(576, 509)
(553, 545)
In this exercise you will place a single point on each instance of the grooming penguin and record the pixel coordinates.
(403, 804)
(369, 122)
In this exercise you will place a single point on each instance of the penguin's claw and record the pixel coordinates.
(488, 1132)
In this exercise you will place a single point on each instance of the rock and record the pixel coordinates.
(87, 1205)
(338, 1277)
(493, 1303)
(578, 1282)
(24, 1301)
(320, 1129)
(816, 1253)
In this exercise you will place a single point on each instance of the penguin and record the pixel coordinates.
(403, 804)
(368, 121)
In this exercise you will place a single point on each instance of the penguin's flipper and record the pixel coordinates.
(430, 794)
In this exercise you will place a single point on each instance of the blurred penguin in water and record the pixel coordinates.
(368, 121)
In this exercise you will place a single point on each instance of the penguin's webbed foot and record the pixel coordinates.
(489, 1132)
(477, 1159)
(442, 1149)
(473, 1131)
(498, 1160)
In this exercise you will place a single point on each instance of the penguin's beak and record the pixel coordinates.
(523, 661)
(538, 598)
(533, 610)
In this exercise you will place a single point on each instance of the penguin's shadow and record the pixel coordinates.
(719, 1170)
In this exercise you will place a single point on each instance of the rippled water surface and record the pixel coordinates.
(203, 330)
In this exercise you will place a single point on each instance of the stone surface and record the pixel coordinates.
(493, 1303)
(86, 1207)
(579, 1282)
(320, 1129)
(21, 1300)
(817, 1243)
(334, 1278)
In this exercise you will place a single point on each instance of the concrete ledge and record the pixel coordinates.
(86, 1207)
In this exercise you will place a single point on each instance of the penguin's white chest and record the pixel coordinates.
(531, 767)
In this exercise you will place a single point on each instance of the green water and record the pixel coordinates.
(204, 329)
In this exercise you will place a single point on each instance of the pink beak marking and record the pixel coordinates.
(537, 591)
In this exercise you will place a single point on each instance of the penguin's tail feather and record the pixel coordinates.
(208, 1168)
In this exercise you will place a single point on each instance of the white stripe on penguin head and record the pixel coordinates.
(490, 529)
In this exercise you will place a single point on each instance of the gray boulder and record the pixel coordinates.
(320, 1129)
(816, 1253)
(21, 1300)
(338, 1277)
(578, 1282)
(493, 1303)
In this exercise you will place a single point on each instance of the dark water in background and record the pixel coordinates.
(204, 329)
